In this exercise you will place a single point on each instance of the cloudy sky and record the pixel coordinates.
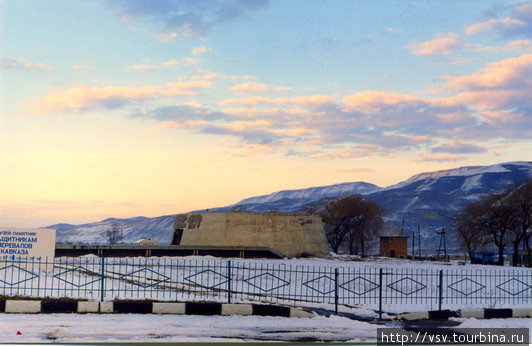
(120, 108)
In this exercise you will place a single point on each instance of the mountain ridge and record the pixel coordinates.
(427, 199)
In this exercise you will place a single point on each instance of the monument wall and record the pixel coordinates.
(290, 235)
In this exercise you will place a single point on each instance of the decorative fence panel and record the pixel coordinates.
(391, 289)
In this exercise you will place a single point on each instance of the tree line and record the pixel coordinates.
(501, 220)
(352, 224)
(497, 220)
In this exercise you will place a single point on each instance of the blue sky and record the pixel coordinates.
(125, 108)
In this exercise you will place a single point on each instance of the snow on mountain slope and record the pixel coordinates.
(429, 200)
(443, 173)
(470, 171)
(133, 229)
(515, 171)
(314, 193)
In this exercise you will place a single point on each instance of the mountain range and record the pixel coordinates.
(427, 200)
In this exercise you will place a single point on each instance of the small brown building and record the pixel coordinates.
(393, 246)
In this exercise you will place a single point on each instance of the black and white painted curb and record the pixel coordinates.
(478, 314)
(141, 307)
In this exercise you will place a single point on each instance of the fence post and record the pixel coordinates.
(229, 282)
(102, 280)
(380, 293)
(440, 300)
(336, 291)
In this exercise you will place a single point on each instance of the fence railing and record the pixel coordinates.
(191, 279)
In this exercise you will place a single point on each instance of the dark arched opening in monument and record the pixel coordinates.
(176, 237)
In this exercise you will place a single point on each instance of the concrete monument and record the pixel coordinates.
(288, 234)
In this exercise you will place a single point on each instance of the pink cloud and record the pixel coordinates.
(142, 67)
(167, 37)
(443, 44)
(305, 101)
(501, 84)
(493, 24)
(301, 101)
(246, 101)
(496, 75)
(383, 123)
(82, 98)
(22, 64)
(164, 64)
(439, 158)
(249, 88)
(170, 63)
(519, 23)
(514, 46)
(458, 147)
(197, 51)
(375, 101)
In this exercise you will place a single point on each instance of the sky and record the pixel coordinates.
(122, 108)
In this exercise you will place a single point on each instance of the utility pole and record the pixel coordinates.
(413, 244)
(442, 247)
(419, 241)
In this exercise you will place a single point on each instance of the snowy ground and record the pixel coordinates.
(127, 328)
(69, 328)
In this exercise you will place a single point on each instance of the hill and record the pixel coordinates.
(428, 199)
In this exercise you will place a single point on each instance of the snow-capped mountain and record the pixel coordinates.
(313, 193)
(132, 229)
(428, 200)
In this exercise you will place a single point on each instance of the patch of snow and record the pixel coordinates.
(137, 328)
(427, 185)
(469, 171)
(315, 192)
(410, 204)
(494, 323)
(471, 183)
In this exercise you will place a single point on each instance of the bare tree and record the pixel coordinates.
(503, 218)
(497, 220)
(311, 209)
(472, 236)
(115, 234)
(353, 222)
(521, 200)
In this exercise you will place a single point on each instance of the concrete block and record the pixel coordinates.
(442, 314)
(497, 313)
(169, 308)
(271, 310)
(522, 312)
(294, 312)
(59, 306)
(476, 313)
(23, 306)
(131, 307)
(237, 309)
(88, 307)
(424, 315)
(203, 308)
(106, 307)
